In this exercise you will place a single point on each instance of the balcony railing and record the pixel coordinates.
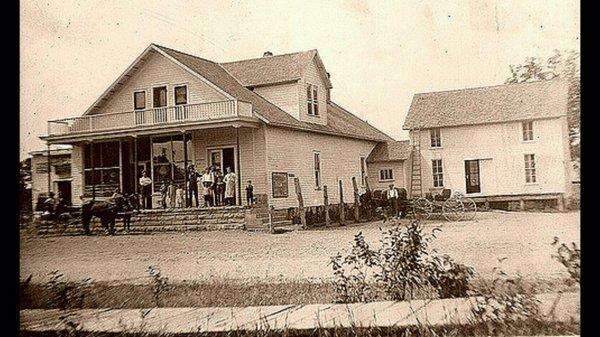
(150, 117)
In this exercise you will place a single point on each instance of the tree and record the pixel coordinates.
(25, 185)
(563, 64)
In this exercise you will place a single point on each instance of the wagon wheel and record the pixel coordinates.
(470, 208)
(453, 209)
(422, 208)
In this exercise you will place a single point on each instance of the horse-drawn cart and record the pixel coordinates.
(455, 207)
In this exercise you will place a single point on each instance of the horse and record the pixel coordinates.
(107, 211)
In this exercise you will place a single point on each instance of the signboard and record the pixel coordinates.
(280, 184)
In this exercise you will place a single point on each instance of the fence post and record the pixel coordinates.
(301, 209)
(342, 209)
(356, 200)
(271, 209)
(326, 202)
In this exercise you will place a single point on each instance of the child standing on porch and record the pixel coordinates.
(163, 194)
(171, 190)
(179, 197)
(249, 193)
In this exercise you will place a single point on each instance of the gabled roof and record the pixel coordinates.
(339, 121)
(501, 103)
(273, 69)
(390, 151)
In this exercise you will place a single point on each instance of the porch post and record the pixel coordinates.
(49, 168)
(239, 173)
(185, 168)
(93, 170)
(121, 167)
(135, 160)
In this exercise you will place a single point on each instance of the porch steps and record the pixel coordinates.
(160, 220)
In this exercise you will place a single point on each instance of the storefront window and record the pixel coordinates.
(102, 168)
(168, 160)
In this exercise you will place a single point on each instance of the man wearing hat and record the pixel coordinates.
(146, 189)
(192, 186)
(392, 196)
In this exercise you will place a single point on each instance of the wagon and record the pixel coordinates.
(452, 207)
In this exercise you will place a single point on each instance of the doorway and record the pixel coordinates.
(64, 190)
(221, 159)
(472, 176)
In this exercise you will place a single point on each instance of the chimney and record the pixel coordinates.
(267, 54)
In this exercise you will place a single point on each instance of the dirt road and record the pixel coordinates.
(522, 238)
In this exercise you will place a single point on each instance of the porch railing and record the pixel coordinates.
(148, 117)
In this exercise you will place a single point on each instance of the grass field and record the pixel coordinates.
(245, 257)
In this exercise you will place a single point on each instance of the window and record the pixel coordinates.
(181, 95)
(363, 171)
(159, 97)
(167, 159)
(438, 173)
(386, 174)
(527, 131)
(530, 168)
(436, 137)
(139, 100)
(102, 168)
(317, 160)
(312, 99)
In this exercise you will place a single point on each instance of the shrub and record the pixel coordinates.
(160, 284)
(570, 257)
(400, 268)
(506, 304)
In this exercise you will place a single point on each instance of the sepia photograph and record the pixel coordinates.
(299, 168)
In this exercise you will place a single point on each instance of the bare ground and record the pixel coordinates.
(522, 238)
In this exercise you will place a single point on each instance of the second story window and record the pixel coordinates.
(312, 99)
(436, 137)
(139, 100)
(181, 95)
(527, 131)
(438, 173)
(530, 174)
(317, 162)
(159, 97)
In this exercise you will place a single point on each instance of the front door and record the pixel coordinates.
(472, 176)
(64, 190)
(223, 158)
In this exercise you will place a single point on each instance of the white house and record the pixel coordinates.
(499, 143)
(270, 119)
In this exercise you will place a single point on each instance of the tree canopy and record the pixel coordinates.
(562, 64)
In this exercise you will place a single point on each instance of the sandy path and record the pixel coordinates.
(523, 238)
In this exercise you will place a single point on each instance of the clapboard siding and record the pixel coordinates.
(285, 96)
(292, 151)
(158, 70)
(313, 76)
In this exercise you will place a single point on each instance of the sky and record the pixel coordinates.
(379, 53)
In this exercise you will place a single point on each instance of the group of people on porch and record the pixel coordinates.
(205, 188)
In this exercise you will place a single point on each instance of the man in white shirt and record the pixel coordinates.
(392, 196)
(146, 189)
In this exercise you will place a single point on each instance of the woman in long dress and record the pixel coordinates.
(230, 180)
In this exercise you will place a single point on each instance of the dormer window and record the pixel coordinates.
(312, 99)
(527, 131)
(436, 137)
